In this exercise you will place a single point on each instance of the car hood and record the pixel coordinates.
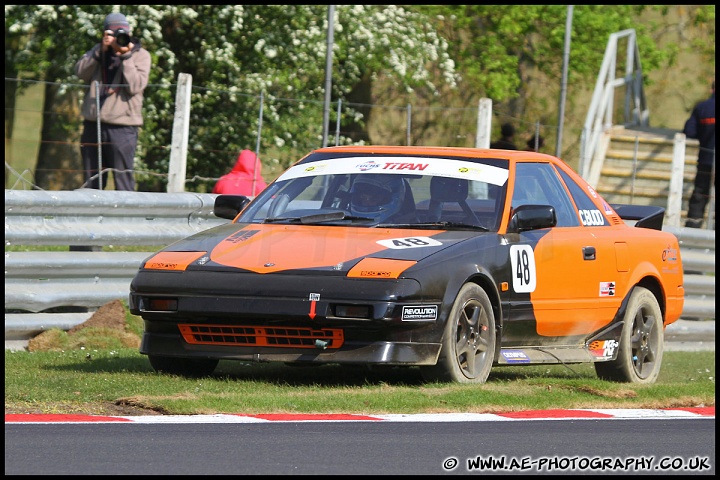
(268, 248)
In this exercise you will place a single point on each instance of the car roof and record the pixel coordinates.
(515, 155)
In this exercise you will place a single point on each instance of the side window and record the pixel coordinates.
(537, 183)
(589, 213)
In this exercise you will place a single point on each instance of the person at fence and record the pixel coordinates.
(701, 125)
(506, 140)
(245, 178)
(534, 144)
(121, 66)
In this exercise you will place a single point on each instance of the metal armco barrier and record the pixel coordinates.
(39, 281)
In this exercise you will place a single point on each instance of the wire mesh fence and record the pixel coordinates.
(44, 125)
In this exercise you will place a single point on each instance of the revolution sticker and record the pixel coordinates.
(416, 313)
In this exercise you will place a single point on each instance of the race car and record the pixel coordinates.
(453, 260)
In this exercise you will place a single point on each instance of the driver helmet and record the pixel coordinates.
(377, 196)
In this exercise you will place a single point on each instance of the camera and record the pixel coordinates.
(122, 37)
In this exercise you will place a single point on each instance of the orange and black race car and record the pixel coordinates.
(450, 259)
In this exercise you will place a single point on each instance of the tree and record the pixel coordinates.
(248, 59)
(513, 54)
(236, 55)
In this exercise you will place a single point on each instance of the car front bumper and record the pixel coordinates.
(172, 344)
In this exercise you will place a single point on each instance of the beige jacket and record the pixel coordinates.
(124, 105)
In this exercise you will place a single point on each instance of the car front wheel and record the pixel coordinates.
(641, 342)
(188, 367)
(468, 345)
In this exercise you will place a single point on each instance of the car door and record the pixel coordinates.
(556, 272)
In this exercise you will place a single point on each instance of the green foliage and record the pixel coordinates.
(499, 45)
(235, 54)
(242, 55)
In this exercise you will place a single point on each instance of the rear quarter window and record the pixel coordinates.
(590, 215)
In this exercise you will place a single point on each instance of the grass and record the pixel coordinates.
(22, 151)
(105, 381)
(98, 375)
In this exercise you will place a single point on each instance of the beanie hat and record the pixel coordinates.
(115, 21)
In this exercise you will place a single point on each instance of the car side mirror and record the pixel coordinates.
(532, 217)
(228, 206)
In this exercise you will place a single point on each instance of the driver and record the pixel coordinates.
(377, 196)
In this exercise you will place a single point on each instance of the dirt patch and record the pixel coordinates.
(110, 315)
(107, 328)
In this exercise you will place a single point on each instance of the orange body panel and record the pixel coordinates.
(598, 287)
(379, 268)
(256, 248)
(172, 260)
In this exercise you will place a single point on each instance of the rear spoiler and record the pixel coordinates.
(647, 216)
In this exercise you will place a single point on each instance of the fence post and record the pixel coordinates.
(337, 123)
(674, 202)
(408, 129)
(181, 127)
(484, 123)
(258, 137)
(98, 126)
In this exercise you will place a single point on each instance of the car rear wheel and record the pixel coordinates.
(468, 345)
(188, 367)
(641, 342)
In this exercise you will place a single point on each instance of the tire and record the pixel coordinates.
(187, 367)
(641, 342)
(469, 339)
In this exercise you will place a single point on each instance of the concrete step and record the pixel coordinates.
(646, 174)
(656, 159)
(637, 167)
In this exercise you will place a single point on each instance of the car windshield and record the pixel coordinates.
(386, 191)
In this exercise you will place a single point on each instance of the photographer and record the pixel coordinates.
(122, 68)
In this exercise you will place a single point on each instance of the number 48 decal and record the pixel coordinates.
(409, 242)
(524, 275)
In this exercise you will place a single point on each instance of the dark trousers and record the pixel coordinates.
(701, 191)
(118, 153)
